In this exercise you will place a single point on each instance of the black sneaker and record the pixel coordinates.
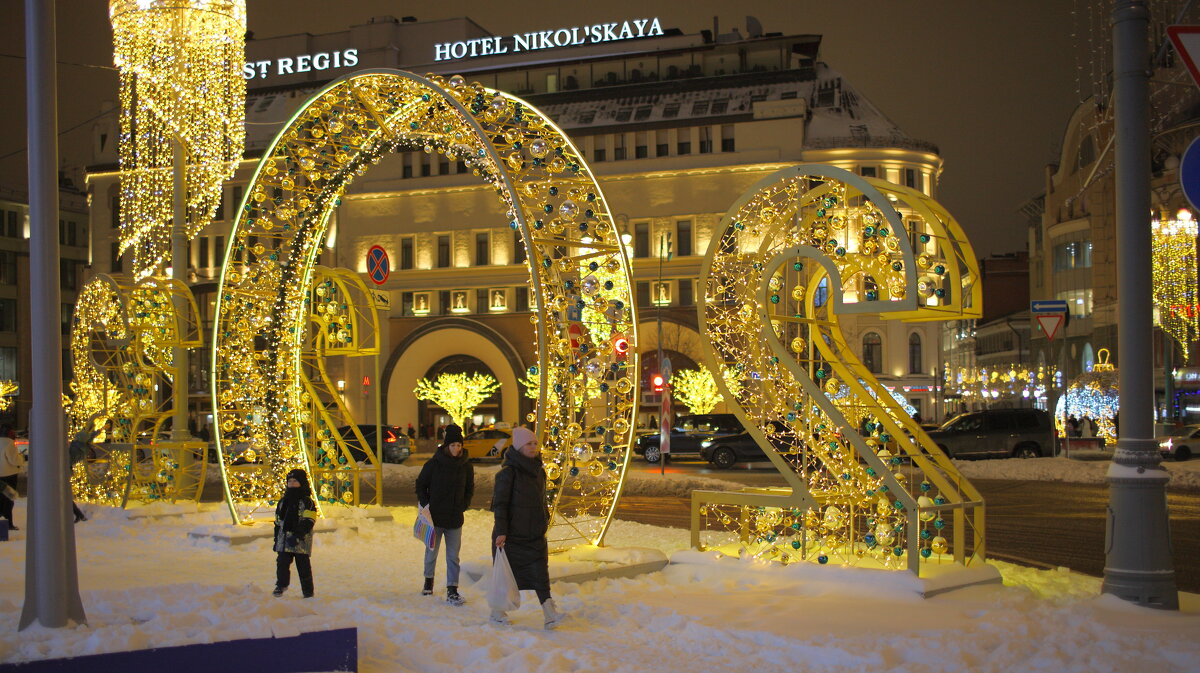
(278, 591)
(428, 590)
(453, 598)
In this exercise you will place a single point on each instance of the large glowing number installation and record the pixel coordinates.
(579, 280)
(801, 249)
(343, 322)
(122, 343)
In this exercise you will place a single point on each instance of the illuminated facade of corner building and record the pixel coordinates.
(675, 127)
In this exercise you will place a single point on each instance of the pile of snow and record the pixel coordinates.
(1184, 475)
(144, 582)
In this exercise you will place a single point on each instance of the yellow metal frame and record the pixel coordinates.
(800, 249)
(579, 274)
(122, 340)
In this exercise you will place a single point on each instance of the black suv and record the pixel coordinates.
(687, 434)
(997, 433)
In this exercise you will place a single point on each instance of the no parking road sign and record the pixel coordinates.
(379, 267)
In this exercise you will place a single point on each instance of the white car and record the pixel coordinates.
(1181, 445)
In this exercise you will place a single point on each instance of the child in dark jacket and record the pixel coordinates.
(295, 516)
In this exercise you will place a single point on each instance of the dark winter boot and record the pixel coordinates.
(278, 591)
(428, 590)
(452, 596)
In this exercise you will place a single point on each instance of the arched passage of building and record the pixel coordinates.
(442, 339)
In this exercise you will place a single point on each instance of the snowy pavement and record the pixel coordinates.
(146, 584)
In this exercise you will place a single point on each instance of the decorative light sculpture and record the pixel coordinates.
(797, 252)
(7, 390)
(697, 390)
(1175, 294)
(180, 64)
(123, 337)
(1095, 395)
(343, 322)
(458, 394)
(1002, 381)
(579, 280)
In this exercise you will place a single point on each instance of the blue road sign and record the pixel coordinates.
(1189, 173)
(379, 267)
(1048, 306)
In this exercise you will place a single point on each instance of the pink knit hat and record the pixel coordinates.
(522, 436)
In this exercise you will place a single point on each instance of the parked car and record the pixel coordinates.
(396, 445)
(487, 444)
(687, 434)
(997, 433)
(1181, 444)
(727, 450)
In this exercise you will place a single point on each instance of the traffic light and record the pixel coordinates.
(620, 345)
(657, 382)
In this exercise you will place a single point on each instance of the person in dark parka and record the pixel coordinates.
(522, 519)
(446, 485)
(295, 518)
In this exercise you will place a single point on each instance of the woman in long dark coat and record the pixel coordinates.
(522, 518)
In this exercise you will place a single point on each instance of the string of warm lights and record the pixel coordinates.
(1174, 274)
(1002, 381)
(697, 390)
(180, 64)
(458, 394)
(800, 250)
(7, 390)
(1095, 395)
(579, 279)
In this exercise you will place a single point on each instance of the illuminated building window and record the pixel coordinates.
(915, 360)
(1078, 301)
(518, 247)
(641, 239)
(683, 238)
(1073, 255)
(443, 251)
(872, 352)
(727, 143)
(483, 249)
(406, 252)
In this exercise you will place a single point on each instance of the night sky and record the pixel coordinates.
(991, 83)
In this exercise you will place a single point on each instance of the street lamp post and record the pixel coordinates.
(1138, 565)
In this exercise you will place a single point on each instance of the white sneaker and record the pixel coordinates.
(552, 615)
(499, 617)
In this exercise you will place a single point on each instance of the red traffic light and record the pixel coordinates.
(620, 345)
(657, 382)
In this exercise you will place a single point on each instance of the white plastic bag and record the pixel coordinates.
(503, 594)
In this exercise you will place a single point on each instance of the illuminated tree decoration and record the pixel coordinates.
(697, 390)
(1175, 295)
(458, 394)
(1095, 395)
(799, 250)
(1009, 381)
(180, 64)
(123, 337)
(8, 389)
(532, 383)
(579, 280)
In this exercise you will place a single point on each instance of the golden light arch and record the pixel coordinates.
(579, 279)
(799, 250)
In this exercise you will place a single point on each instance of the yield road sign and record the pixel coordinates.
(1189, 173)
(1048, 306)
(1187, 44)
(1050, 322)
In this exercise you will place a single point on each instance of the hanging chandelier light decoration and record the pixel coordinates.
(1174, 259)
(180, 64)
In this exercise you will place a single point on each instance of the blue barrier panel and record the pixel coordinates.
(335, 650)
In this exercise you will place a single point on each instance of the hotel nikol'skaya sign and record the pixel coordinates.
(547, 39)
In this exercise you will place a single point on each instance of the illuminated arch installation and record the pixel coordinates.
(801, 248)
(579, 278)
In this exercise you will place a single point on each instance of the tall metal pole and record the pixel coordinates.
(1138, 565)
(179, 267)
(51, 579)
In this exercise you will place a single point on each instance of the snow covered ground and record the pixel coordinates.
(1185, 475)
(145, 583)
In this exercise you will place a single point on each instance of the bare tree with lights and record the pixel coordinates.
(458, 394)
(697, 388)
